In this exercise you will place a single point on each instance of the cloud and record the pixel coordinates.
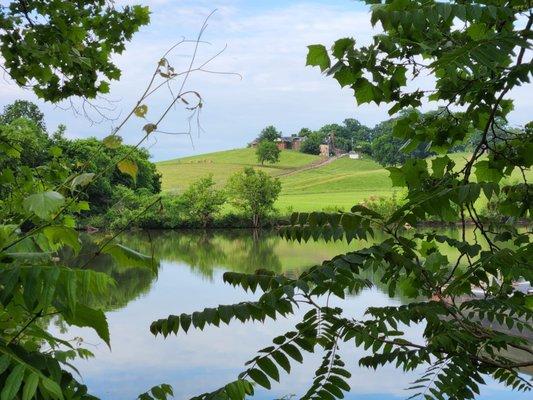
(267, 45)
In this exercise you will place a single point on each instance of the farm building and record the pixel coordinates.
(283, 143)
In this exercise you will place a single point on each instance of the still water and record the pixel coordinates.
(189, 278)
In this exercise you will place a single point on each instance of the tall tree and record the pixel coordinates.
(267, 151)
(304, 132)
(202, 200)
(476, 52)
(270, 133)
(23, 109)
(254, 193)
(311, 145)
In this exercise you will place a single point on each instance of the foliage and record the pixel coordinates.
(304, 132)
(31, 143)
(202, 201)
(254, 193)
(267, 151)
(62, 49)
(270, 133)
(90, 156)
(37, 225)
(311, 145)
(389, 149)
(475, 64)
(385, 206)
(23, 109)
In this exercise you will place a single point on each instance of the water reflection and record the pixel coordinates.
(190, 278)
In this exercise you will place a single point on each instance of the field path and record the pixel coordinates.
(314, 165)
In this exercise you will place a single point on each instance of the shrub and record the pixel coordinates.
(202, 201)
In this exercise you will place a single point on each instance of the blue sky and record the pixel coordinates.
(266, 43)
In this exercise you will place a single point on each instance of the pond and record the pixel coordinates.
(189, 278)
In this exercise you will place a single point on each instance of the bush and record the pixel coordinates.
(311, 145)
(383, 205)
(202, 201)
(254, 193)
(267, 151)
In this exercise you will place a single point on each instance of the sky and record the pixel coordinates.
(265, 43)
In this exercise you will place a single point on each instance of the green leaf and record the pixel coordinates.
(364, 92)
(52, 388)
(477, 31)
(149, 128)
(5, 360)
(82, 179)
(268, 367)
(141, 110)
(43, 204)
(30, 386)
(12, 383)
(88, 317)
(259, 378)
(341, 46)
(112, 141)
(438, 165)
(345, 76)
(127, 257)
(282, 360)
(397, 176)
(485, 173)
(128, 167)
(236, 390)
(317, 56)
(292, 351)
(62, 235)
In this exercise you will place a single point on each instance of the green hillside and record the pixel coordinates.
(179, 173)
(306, 185)
(342, 183)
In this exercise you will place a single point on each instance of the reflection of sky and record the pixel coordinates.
(205, 360)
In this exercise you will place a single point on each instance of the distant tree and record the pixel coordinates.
(29, 139)
(267, 151)
(254, 193)
(270, 133)
(202, 201)
(386, 150)
(364, 147)
(357, 131)
(390, 150)
(23, 109)
(311, 145)
(305, 132)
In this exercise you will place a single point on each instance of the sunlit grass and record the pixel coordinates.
(336, 185)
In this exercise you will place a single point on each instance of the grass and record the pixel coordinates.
(339, 184)
(178, 174)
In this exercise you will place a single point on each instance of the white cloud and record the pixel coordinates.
(267, 46)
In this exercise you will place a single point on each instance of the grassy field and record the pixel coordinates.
(342, 183)
(179, 173)
(338, 184)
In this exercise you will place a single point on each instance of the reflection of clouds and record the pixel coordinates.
(204, 360)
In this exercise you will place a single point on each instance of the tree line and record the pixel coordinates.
(379, 142)
(116, 196)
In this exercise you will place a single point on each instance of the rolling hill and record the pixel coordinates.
(308, 183)
(179, 173)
